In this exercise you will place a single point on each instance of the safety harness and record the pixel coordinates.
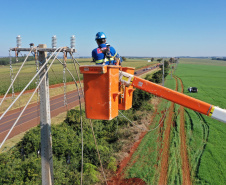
(107, 56)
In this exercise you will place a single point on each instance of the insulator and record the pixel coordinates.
(73, 42)
(54, 41)
(18, 41)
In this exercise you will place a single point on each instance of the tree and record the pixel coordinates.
(172, 60)
(152, 59)
(159, 59)
(123, 58)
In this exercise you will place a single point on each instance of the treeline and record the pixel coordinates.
(218, 58)
(22, 164)
(157, 77)
(171, 60)
(6, 60)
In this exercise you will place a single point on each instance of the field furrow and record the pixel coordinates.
(184, 155)
(166, 145)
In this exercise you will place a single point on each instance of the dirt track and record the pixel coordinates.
(166, 145)
(186, 180)
(184, 155)
(118, 178)
(183, 148)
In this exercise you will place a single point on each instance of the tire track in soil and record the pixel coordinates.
(160, 138)
(166, 144)
(184, 155)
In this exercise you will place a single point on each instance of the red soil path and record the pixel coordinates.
(117, 179)
(184, 155)
(160, 136)
(166, 144)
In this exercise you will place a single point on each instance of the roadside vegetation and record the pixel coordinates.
(6, 60)
(22, 164)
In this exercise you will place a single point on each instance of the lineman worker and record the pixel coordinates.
(105, 54)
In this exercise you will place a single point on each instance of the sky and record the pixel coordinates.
(151, 28)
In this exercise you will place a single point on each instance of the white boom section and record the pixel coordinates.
(218, 113)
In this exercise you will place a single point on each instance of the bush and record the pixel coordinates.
(139, 96)
(6, 60)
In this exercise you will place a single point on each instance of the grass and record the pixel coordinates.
(174, 169)
(24, 98)
(55, 77)
(29, 70)
(206, 138)
(137, 63)
(55, 73)
(149, 72)
(145, 161)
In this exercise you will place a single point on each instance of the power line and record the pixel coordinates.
(28, 100)
(12, 82)
(29, 83)
(80, 115)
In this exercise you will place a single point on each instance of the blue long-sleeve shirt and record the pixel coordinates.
(99, 55)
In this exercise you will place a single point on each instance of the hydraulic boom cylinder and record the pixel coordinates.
(174, 96)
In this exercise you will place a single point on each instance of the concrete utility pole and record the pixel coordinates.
(163, 73)
(177, 63)
(45, 121)
(171, 72)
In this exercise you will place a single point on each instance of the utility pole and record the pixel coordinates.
(45, 122)
(45, 118)
(171, 72)
(163, 73)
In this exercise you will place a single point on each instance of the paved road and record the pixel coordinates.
(30, 117)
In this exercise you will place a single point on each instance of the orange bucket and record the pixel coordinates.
(126, 96)
(101, 88)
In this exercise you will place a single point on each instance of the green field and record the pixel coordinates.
(146, 160)
(55, 73)
(205, 137)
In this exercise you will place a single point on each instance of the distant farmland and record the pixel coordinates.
(55, 73)
(206, 137)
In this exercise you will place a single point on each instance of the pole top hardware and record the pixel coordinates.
(67, 49)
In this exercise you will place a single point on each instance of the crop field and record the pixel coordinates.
(205, 137)
(146, 161)
(55, 73)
